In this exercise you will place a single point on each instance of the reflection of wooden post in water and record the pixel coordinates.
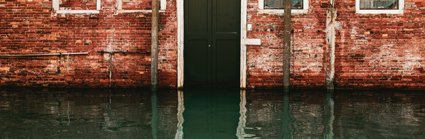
(154, 123)
(287, 120)
(240, 131)
(328, 116)
(180, 118)
(68, 115)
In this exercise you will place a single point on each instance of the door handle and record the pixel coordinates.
(209, 45)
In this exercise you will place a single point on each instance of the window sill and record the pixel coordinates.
(379, 11)
(281, 12)
(138, 11)
(77, 11)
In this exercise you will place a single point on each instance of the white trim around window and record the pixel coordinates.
(56, 7)
(383, 11)
(163, 6)
(281, 11)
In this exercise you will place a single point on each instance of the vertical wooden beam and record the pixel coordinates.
(330, 38)
(154, 46)
(180, 44)
(244, 20)
(287, 46)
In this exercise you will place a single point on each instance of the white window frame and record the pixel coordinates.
(162, 7)
(281, 11)
(400, 9)
(56, 7)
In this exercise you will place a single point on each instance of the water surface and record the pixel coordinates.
(210, 114)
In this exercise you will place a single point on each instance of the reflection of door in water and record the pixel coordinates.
(211, 114)
(212, 42)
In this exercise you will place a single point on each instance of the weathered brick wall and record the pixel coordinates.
(167, 74)
(137, 4)
(381, 51)
(371, 50)
(265, 62)
(78, 4)
(32, 26)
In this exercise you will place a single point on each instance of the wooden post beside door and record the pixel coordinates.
(287, 43)
(154, 47)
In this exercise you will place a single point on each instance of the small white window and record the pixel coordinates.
(276, 6)
(76, 6)
(131, 6)
(379, 6)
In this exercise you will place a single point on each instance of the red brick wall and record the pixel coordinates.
(381, 51)
(78, 4)
(137, 4)
(265, 62)
(371, 50)
(33, 27)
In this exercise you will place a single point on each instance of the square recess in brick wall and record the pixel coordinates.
(76, 6)
(129, 6)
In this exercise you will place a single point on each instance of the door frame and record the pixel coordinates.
(180, 43)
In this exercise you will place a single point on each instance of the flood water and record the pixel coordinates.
(211, 114)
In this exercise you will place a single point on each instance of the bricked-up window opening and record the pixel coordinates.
(77, 5)
(129, 6)
(137, 4)
(378, 4)
(278, 4)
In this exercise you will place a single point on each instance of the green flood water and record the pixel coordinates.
(211, 114)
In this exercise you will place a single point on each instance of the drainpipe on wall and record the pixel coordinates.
(330, 38)
(154, 46)
(287, 43)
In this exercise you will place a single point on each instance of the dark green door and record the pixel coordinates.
(212, 42)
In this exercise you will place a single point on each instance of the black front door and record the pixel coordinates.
(212, 42)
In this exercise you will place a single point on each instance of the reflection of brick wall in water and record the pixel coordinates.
(307, 119)
(394, 113)
(78, 4)
(265, 115)
(167, 115)
(64, 114)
